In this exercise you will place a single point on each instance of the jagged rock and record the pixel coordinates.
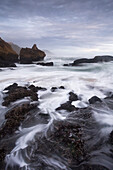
(35, 89)
(17, 92)
(94, 99)
(7, 54)
(66, 106)
(46, 64)
(73, 97)
(68, 138)
(27, 55)
(14, 117)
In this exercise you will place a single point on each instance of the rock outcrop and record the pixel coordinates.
(96, 59)
(28, 55)
(7, 54)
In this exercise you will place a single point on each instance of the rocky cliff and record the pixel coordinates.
(7, 53)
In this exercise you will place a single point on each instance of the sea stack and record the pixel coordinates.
(28, 55)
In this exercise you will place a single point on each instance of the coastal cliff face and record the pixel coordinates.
(27, 55)
(7, 53)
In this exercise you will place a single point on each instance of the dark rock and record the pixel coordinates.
(111, 137)
(66, 106)
(12, 87)
(96, 59)
(33, 88)
(61, 87)
(65, 64)
(27, 55)
(68, 137)
(14, 117)
(26, 60)
(17, 92)
(7, 54)
(53, 89)
(104, 58)
(41, 88)
(110, 96)
(94, 99)
(81, 61)
(2, 154)
(46, 64)
(4, 63)
(73, 97)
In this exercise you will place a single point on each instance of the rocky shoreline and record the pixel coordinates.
(73, 139)
(67, 137)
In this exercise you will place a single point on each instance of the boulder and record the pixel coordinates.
(73, 97)
(7, 54)
(94, 99)
(67, 106)
(27, 55)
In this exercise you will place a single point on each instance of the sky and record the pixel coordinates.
(65, 27)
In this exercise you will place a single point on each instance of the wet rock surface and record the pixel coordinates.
(53, 89)
(96, 59)
(111, 137)
(67, 106)
(14, 117)
(18, 92)
(73, 97)
(68, 136)
(94, 99)
(46, 64)
(6, 64)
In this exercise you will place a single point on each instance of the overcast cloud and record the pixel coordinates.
(66, 27)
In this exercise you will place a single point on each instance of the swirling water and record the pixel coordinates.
(86, 81)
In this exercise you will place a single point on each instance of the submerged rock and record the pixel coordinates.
(27, 55)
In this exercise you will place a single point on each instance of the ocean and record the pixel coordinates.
(91, 79)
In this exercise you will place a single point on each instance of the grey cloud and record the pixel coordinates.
(57, 23)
